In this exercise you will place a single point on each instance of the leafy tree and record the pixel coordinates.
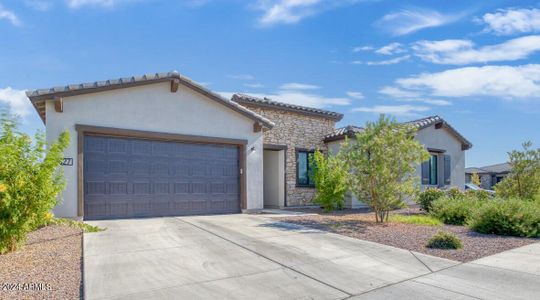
(383, 158)
(30, 181)
(330, 176)
(475, 179)
(524, 180)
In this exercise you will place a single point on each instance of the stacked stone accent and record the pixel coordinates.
(295, 130)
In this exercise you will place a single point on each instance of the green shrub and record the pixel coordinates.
(72, 223)
(415, 220)
(478, 194)
(330, 176)
(507, 217)
(455, 193)
(444, 240)
(30, 181)
(454, 211)
(426, 198)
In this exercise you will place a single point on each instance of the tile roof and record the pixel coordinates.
(38, 96)
(498, 168)
(420, 124)
(248, 99)
(471, 170)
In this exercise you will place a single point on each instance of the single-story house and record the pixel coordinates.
(489, 175)
(162, 145)
(446, 147)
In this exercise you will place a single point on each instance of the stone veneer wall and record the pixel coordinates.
(296, 131)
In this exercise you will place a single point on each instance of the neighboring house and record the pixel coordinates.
(446, 146)
(160, 144)
(489, 175)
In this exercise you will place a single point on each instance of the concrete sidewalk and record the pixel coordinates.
(256, 257)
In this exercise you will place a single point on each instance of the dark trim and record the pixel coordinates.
(110, 131)
(296, 151)
(289, 109)
(434, 150)
(83, 130)
(274, 147)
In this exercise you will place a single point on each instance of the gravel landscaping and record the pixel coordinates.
(47, 267)
(361, 225)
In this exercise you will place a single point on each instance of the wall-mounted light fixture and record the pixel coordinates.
(252, 149)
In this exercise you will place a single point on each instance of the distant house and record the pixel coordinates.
(489, 175)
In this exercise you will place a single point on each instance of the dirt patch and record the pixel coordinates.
(362, 225)
(49, 266)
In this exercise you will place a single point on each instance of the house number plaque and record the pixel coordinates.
(67, 161)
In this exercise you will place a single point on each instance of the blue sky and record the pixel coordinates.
(475, 63)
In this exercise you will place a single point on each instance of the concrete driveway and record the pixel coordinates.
(256, 257)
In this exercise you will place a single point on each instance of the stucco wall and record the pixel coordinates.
(442, 139)
(429, 138)
(274, 172)
(295, 130)
(154, 108)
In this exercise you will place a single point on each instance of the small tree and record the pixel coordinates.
(330, 176)
(524, 179)
(383, 158)
(30, 181)
(475, 179)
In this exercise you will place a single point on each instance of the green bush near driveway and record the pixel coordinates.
(507, 217)
(415, 220)
(330, 176)
(30, 181)
(444, 240)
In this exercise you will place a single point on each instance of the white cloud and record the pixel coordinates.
(355, 95)
(293, 11)
(410, 96)
(10, 16)
(40, 5)
(241, 76)
(357, 62)
(101, 3)
(396, 110)
(298, 86)
(511, 21)
(390, 49)
(395, 92)
(460, 52)
(254, 85)
(509, 82)
(407, 21)
(389, 61)
(16, 100)
(362, 48)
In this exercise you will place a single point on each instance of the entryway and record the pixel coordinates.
(274, 176)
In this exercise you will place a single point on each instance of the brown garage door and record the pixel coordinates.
(127, 177)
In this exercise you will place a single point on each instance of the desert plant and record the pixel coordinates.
(455, 193)
(30, 181)
(383, 158)
(475, 179)
(454, 211)
(426, 198)
(415, 220)
(330, 176)
(478, 194)
(523, 182)
(514, 217)
(444, 240)
(85, 227)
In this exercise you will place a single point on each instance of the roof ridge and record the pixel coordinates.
(246, 98)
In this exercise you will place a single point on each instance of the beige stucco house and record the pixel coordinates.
(161, 144)
(446, 147)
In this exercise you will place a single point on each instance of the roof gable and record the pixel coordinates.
(438, 122)
(39, 96)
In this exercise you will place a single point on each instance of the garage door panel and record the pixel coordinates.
(125, 177)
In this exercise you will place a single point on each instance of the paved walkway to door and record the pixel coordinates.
(255, 257)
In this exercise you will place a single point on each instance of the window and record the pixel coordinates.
(430, 170)
(304, 172)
